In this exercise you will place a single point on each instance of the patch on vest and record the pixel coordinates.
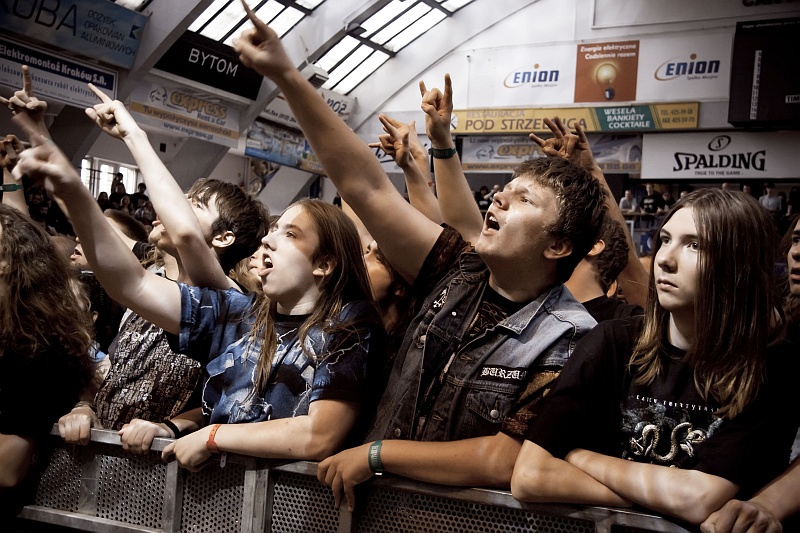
(438, 303)
(505, 374)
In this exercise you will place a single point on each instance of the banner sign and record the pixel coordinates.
(724, 156)
(186, 111)
(54, 76)
(98, 29)
(606, 72)
(212, 63)
(616, 119)
(278, 110)
(522, 75)
(613, 153)
(282, 146)
(624, 13)
(699, 67)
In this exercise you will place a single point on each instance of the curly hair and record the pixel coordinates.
(580, 200)
(41, 305)
(612, 260)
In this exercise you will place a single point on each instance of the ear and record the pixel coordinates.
(558, 248)
(597, 249)
(323, 267)
(223, 240)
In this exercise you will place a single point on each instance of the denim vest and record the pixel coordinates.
(488, 373)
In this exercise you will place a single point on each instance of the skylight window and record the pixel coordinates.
(373, 37)
(224, 20)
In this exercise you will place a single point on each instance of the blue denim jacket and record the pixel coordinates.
(488, 373)
(216, 325)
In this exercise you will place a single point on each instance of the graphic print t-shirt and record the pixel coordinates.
(596, 406)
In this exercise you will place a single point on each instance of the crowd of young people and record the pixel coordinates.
(493, 372)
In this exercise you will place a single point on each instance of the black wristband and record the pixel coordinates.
(172, 427)
(442, 153)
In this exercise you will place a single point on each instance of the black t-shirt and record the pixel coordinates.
(653, 202)
(595, 405)
(604, 308)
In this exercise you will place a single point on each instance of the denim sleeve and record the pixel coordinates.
(210, 321)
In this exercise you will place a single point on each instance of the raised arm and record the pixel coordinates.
(690, 495)
(404, 234)
(13, 194)
(154, 298)
(456, 199)
(764, 512)
(23, 102)
(633, 279)
(198, 260)
(399, 141)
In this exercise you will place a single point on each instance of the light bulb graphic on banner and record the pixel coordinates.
(605, 75)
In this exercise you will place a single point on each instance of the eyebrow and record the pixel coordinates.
(292, 227)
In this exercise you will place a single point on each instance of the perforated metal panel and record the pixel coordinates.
(301, 503)
(212, 499)
(388, 511)
(130, 488)
(60, 485)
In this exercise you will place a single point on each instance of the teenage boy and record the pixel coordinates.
(496, 324)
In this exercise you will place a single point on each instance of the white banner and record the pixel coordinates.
(55, 77)
(493, 153)
(723, 156)
(186, 111)
(521, 76)
(695, 67)
(278, 110)
(621, 13)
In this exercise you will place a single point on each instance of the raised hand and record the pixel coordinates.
(44, 161)
(260, 49)
(438, 108)
(571, 146)
(10, 148)
(396, 141)
(111, 116)
(24, 102)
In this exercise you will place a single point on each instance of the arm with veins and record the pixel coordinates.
(401, 142)
(198, 260)
(456, 199)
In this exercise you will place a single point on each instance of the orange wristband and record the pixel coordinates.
(210, 444)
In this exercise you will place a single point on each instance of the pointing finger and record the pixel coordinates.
(100, 94)
(262, 28)
(27, 84)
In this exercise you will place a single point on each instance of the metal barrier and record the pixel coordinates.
(101, 488)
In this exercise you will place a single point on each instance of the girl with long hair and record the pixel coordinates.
(297, 363)
(700, 383)
(45, 336)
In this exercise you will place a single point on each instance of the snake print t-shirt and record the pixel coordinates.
(596, 405)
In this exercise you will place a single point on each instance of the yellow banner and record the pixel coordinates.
(519, 120)
(592, 119)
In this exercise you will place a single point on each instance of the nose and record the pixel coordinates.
(267, 239)
(665, 258)
(499, 199)
(794, 252)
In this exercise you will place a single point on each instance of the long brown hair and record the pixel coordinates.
(43, 307)
(737, 308)
(339, 244)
